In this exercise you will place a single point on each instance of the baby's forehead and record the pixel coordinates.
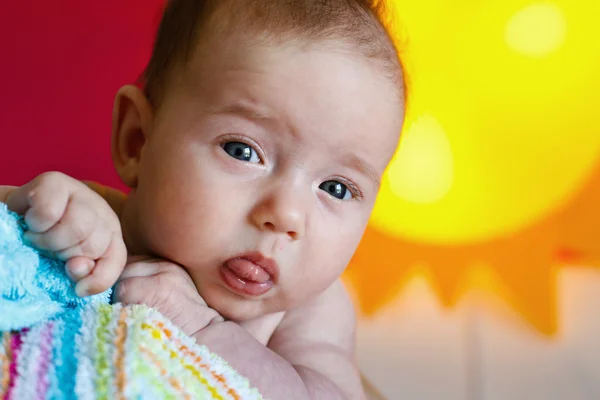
(323, 74)
(188, 25)
(330, 102)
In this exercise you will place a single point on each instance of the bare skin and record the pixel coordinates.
(299, 188)
(311, 346)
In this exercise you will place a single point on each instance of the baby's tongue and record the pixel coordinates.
(248, 271)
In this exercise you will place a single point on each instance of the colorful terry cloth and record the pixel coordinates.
(117, 353)
(54, 345)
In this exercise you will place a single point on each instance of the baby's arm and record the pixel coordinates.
(115, 198)
(310, 355)
(318, 340)
(5, 191)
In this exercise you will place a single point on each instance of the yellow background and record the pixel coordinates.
(500, 147)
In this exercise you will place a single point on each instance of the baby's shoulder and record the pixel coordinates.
(331, 310)
(263, 327)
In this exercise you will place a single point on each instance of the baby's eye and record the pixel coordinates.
(337, 190)
(241, 151)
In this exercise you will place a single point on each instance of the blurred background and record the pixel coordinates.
(479, 275)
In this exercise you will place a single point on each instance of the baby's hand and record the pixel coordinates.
(69, 221)
(168, 288)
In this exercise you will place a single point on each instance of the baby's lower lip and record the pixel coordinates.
(242, 285)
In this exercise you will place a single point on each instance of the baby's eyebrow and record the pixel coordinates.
(360, 165)
(244, 109)
(250, 111)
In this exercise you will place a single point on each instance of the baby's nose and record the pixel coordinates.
(281, 214)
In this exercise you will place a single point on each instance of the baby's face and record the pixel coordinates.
(261, 171)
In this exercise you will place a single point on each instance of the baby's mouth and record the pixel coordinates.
(248, 270)
(250, 274)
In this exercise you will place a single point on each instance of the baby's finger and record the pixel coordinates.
(45, 211)
(142, 267)
(137, 258)
(139, 290)
(150, 267)
(78, 268)
(18, 199)
(94, 247)
(48, 199)
(42, 202)
(107, 269)
(75, 226)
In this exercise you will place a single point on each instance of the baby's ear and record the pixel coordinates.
(132, 122)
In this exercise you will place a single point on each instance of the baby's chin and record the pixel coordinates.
(236, 308)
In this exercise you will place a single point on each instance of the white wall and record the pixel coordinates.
(481, 350)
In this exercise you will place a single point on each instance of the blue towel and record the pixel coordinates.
(33, 288)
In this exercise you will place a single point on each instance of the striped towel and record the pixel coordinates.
(114, 352)
(54, 345)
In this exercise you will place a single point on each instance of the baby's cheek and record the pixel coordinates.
(180, 237)
(315, 275)
(341, 250)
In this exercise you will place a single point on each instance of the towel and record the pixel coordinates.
(55, 345)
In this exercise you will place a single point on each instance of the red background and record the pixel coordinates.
(61, 64)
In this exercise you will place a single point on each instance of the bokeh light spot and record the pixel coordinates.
(422, 170)
(536, 30)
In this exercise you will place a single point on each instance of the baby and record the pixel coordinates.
(254, 155)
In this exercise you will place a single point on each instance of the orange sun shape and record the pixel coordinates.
(498, 169)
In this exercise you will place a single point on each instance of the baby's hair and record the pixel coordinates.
(185, 24)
